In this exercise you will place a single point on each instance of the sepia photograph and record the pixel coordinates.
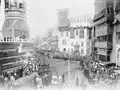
(59, 44)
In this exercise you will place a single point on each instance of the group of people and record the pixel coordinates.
(7, 76)
(99, 72)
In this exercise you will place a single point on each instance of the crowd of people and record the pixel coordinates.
(95, 70)
(101, 73)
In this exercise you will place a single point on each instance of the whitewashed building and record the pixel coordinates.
(76, 36)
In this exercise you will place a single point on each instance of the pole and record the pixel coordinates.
(69, 71)
(12, 32)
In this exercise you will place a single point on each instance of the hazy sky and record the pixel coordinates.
(42, 13)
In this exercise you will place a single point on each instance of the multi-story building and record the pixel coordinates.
(75, 37)
(52, 38)
(115, 57)
(103, 29)
(63, 26)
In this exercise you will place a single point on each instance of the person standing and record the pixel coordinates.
(12, 79)
(38, 81)
(83, 85)
(77, 82)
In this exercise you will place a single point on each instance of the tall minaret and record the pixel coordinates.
(15, 23)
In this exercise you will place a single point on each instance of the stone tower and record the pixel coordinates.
(63, 20)
(15, 23)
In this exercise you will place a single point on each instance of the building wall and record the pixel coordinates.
(116, 38)
(84, 43)
(102, 25)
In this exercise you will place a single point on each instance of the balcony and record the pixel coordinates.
(101, 44)
(107, 45)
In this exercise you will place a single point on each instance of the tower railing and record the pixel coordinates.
(15, 39)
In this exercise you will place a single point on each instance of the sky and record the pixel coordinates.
(42, 14)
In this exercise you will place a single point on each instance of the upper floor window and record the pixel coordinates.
(72, 34)
(76, 32)
(102, 38)
(82, 44)
(64, 41)
(61, 34)
(67, 33)
(72, 44)
(118, 35)
(117, 8)
(81, 35)
(82, 51)
(64, 49)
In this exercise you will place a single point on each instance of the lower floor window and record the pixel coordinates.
(104, 58)
(82, 51)
(64, 49)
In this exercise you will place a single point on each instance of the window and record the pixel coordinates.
(102, 38)
(66, 33)
(81, 35)
(72, 50)
(102, 58)
(117, 8)
(68, 50)
(77, 20)
(21, 5)
(76, 32)
(82, 44)
(82, 51)
(64, 42)
(64, 49)
(61, 34)
(72, 34)
(6, 4)
(72, 44)
(118, 35)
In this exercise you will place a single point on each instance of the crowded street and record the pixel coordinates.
(60, 44)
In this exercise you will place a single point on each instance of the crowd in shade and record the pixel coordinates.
(9, 77)
(100, 73)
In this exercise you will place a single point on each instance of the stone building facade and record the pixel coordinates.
(103, 27)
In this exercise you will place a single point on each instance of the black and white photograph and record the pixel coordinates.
(59, 44)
